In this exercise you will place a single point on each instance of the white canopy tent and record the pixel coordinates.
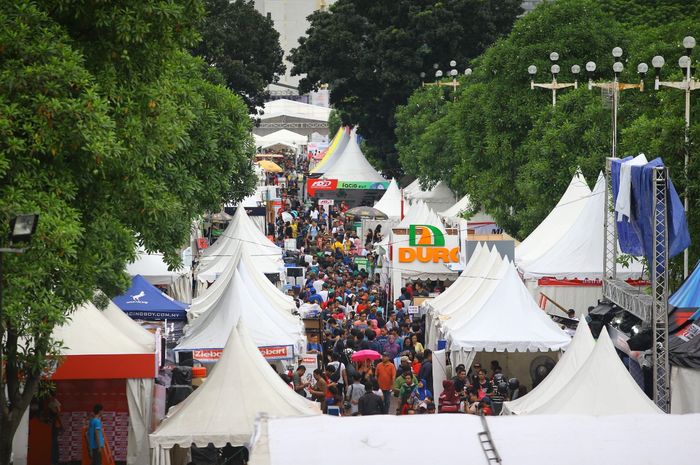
(293, 109)
(509, 320)
(241, 295)
(575, 356)
(390, 203)
(90, 333)
(351, 165)
(481, 222)
(557, 223)
(439, 198)
(335, 149)
(154, 269)
(456, 210)
(521, 440)
(601, 386)
(577, 254)
(224, 408)
(283, 137)
(240, 233)
(412, 188)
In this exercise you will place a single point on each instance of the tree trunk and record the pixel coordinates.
(7, 433)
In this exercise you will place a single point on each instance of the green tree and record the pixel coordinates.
(244, 46)
(371, 53)
(111, 132)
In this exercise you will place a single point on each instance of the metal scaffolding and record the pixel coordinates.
(649, 308)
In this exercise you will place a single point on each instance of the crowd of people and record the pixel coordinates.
(357, 314)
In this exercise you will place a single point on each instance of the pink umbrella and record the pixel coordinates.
(365, 355)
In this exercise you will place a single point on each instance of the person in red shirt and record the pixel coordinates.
(386, 373)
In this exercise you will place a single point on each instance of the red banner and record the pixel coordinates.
(313, 185)
(269, 352)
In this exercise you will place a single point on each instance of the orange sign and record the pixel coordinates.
(427, 244)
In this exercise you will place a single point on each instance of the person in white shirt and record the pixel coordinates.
(314, 214)
(318, 284)
(355, 391)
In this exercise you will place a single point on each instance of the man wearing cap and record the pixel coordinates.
(386, 374)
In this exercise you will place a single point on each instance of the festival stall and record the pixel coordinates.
(601, 386)
(243, 293)
(521, 440)
(241, 233)
(438, 198)
(143, 301)
(420, 248)
(567, 267)
(571, 362)
(223, 410)
(502, 317)
(107, 363)
(282, 139)
(347, 175)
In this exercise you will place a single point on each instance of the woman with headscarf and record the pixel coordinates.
(421, 395)
(373, 326)
(449, 399)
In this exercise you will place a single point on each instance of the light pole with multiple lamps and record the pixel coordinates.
(688, 84)
(454, 83)
(615, 86)
(554, 85)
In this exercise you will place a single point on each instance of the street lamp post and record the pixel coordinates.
(688, 84)
(554, 85)
(454, 83)
(22, 228)
(615, 86)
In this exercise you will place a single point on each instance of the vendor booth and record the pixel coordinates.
(348, 176)
(153, 269)
(478, 223)
(567, 267)
(242, 295)
(143, 301)
(438, 198)
(107, 363)
(392, 203)
(223, 410)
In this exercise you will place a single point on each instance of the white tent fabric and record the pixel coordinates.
(152, 267)
(390, 203)
(457, 209)
(139, 397)
(283, 136)
(557, 223)
(224, 408)
(575, 356)
(420, 213)
(439, 198)
(240, 233)
(126, 325)
(685, 385)
(480, 275)
(578, 253)
(293, 109)
(412, 188)
(351, 165)
(241, 297)
(520, 440)
(335, 149)
(508, 321)
(601, 386)
(88, 331)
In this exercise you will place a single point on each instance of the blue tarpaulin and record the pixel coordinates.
(143, 301)
(637, 236)
(686, 300)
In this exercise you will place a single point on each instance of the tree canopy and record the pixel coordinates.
(504, 143)
(243, 45)
(371, 54)
(111, 131)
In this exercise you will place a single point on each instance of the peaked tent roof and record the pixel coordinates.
(520, 440)
(578, 253)
(575, 356)
(240, 233)
(688, 295)
(558, 222)
(338, 144)
(457, 209)
(282, 137)
(240, 297)
(390, 203)
(223, 410)
(351, 165)
(152, 267)
(412, 188)
(291, 108)
(509, 320)
(439, 197)
(129, 327)
(95, 348)
(420, 213)
(145, 301)
(601, 386)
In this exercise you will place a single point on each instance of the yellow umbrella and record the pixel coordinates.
(270, 166)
